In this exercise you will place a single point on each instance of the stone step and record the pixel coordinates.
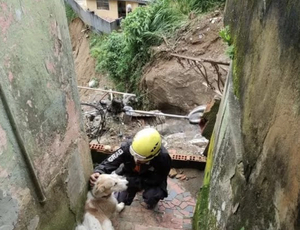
(139, 227)
(133, 226)
(175, 212)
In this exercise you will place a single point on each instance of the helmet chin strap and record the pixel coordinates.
(139, 161)
(139, 158)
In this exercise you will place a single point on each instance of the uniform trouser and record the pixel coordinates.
(151, 195)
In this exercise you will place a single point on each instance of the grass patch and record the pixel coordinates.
(202, 219)
(71, 15)
(198, 6)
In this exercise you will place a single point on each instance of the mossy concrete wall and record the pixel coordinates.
(257, 185)
(38, 81)
(218, 197)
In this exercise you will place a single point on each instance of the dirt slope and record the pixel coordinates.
(84, 63)
(176, 87)
(179, 89)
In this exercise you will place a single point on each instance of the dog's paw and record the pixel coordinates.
(120, 207)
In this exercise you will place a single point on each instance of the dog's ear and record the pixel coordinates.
(102, 188)
(109, 184)
(99, 189)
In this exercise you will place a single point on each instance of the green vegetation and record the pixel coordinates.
(236, 80)
(203, 219)
(71, 15)
(225, 35)
(122, 55)
(200, 6)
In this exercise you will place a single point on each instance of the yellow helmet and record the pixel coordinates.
(146, 144)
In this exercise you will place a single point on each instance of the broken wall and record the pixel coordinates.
(254, 179)
(44, 155)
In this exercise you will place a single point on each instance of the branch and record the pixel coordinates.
(198, 59)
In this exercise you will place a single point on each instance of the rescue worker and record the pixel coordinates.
(145, 163)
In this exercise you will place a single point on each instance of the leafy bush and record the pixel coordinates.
(205, 5)
(110, 55)
(123, 55)
(187, 6)
(96, 40)
(225, 35)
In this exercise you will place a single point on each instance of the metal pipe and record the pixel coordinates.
(194, 116)
(107, 91)
(39, 189)
(157, 114)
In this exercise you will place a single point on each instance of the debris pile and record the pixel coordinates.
(179, 174)
(108, 124)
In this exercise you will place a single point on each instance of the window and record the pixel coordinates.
(102, 4)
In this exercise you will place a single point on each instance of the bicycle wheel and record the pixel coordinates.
(94, 120)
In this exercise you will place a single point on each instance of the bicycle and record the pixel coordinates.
(95, 116)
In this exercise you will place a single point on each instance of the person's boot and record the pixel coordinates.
(148, 206)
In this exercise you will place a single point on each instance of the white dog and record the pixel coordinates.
(101, 203)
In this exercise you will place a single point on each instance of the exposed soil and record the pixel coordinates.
(179, 85)
(199, 38)
(85, 65)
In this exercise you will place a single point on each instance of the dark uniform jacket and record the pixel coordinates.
(151, 174)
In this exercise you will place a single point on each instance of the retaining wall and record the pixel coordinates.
(95, 22)
(45, 160)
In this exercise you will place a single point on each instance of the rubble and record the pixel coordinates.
(200, 142)
(172, 173)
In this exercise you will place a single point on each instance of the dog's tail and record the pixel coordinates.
(81, 227)
(90, 222)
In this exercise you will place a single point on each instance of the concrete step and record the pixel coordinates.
(175, 212)
(123, 225)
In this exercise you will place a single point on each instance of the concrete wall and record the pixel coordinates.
(39, 96)
(112, 13)
(254, 179)
(98, 24)
(216, 200)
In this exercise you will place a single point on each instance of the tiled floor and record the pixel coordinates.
(174, 212)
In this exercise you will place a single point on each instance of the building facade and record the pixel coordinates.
(111, 10)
